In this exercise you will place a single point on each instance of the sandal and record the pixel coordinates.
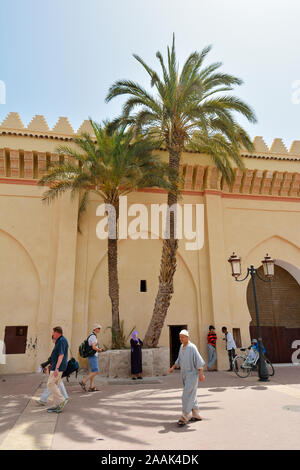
(82, 385)
(94, 389)
(181, 422)
(194, 419)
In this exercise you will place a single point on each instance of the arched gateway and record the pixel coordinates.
(279, 312)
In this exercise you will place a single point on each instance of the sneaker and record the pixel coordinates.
(40, 403)
(60, 407)
(52, 409)
(64, 403)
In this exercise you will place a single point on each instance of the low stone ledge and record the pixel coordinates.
(129, 381)
(115, 363)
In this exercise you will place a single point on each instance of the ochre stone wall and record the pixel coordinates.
(52, 275)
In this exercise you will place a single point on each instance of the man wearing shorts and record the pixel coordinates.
(93, 360)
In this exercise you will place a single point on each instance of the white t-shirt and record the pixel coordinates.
(230, 344)
(93, 340)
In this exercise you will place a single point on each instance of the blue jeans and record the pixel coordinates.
(47, 392)
(212, 355)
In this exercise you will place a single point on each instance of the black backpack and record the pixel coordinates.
(72, 366)
(85, 350)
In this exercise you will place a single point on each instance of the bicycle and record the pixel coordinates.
(242, 367)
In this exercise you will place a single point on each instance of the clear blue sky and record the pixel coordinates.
(59, 57)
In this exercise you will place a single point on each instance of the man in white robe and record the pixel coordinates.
(191, 366)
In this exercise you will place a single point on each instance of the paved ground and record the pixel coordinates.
(238, 414)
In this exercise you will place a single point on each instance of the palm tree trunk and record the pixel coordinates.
(114, 288)
(113, 281)
(167, 269)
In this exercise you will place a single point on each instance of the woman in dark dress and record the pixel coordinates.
(136, 356)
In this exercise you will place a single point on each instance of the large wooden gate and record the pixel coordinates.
(279, 313)
(278, 341)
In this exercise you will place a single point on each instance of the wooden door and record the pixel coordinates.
(278, 342)
(279, 313)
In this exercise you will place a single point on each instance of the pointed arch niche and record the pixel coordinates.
(19, 299)
(140, 260)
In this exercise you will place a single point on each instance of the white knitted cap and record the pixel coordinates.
(184, 332)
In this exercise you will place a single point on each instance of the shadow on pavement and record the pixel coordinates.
(16, 391)
(125, 414)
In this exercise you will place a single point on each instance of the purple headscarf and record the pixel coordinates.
(134, 334)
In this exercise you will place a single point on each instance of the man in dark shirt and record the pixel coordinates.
(59, 361)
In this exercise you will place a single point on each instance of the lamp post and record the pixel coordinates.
(268, 265)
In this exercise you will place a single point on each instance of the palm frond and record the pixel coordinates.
(198, 99)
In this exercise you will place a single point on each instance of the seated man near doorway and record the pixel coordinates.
(254, 352)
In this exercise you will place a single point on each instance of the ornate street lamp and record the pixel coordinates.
(268, 265)
(235, 263)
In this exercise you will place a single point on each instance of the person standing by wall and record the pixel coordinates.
(211, 348)
(191, 366)
(59, 361)
(93, 360)
(230, 346)
(136, 356)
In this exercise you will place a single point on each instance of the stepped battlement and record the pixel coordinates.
(38, 127)
(62, 130)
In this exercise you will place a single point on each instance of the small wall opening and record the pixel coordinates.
(236, 333)
(15, 339)
(143, 286)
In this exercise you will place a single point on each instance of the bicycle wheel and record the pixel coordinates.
(240, 367)
(270, 368)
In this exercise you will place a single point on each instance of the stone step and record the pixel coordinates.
(146, 380)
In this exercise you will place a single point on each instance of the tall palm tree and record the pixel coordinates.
(111, 165)
(189, 110)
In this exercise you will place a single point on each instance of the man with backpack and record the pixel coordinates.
(91, 351)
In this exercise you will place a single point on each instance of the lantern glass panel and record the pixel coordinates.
(268, 265)
(236, 268)
(269, 269)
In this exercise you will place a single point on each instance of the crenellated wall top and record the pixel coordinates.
(38, 127)
(62, 130)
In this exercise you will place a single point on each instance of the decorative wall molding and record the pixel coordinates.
(20, 165)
